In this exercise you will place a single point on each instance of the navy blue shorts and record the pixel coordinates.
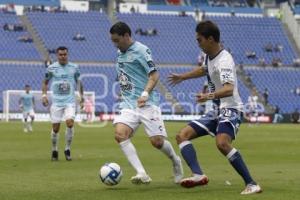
(226, 121)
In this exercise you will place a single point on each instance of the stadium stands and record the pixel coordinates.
(10, 47)
(56, 29)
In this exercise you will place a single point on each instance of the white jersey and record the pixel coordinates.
(221, 70)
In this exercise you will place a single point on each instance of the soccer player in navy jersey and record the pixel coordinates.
(222, 122)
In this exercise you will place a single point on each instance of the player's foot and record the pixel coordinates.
(251, 189)
(68, 155)
(177, 170)
(30, 128)
(54, 156)
(141, 179)
(194, 181)
(25, 130)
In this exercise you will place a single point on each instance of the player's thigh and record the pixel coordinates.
(151, 117)
(126, 123)
(69, 112)
(56, 114)
(229, 122)
(206, 124)
(31, 113)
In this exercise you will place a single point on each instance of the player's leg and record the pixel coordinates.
(227, 128)
(69, 133)
(25, 125)
(125, 124)
(154, 126)
(56, 114)
(31, 114)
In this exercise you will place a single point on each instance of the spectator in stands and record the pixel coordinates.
(151, 31)
(295, 116)
(250, 54)
(277, 115)
(296, 62)
(276, 62)
(296, 91)
(25, 38)
(182, 14)
(197, 15)
(262, 62)
(278, 48)
(89, 109)
(79, 37)
(51, 51)
(268, 47)
(132, 9)
(8, 27)
(266, 96)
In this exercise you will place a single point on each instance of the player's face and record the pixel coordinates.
(27, 89)
(62, 56)
(204, 43)
(121, 42)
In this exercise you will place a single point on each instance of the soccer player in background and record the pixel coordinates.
(138, 76)
(223, 122)
(64, 77)
(26, 104)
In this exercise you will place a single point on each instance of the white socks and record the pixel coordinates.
(131, 154)
(68, 137)
(168, 150)
(54, 139)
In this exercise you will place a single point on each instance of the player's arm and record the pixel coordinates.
(225, 91)
(33, 102)
(174, 78)
(20, 103)
(81, 92)
(44, 92)
(152, 81)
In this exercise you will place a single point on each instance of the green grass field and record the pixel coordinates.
(26, 172)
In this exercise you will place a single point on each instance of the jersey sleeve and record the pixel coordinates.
(147, 61)
(226, 71)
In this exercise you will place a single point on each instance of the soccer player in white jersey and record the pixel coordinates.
(223, 122)
(26, 104)
(138, 76)
(64, 77)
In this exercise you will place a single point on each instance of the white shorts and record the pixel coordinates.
(28, 113)
(150, 116)
(58, 114)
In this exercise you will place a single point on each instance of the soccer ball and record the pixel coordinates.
(110, 174)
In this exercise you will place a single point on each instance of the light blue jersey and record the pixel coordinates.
(133, 68)
(27, 100)
(63, 85)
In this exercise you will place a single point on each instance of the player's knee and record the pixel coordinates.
(223, 146)
(55, 129)
(70, 123)
(120, 137)
(157, 142)
(181, 137)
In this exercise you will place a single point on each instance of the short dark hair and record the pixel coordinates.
(61, 48)
(120, 28)
(27, 85)
(207, 29)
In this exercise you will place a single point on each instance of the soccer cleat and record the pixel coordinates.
(194, 181)
(251, 189)
(177, 170)
(141, 179)
(25, 130)
(54, 156)
(68, 155)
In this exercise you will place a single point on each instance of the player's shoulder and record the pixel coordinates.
(225, 58)
(138, 46)
(71, 64)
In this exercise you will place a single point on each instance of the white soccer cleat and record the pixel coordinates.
(177, 170)
(25, 130)
(194, 181)
(141, 179)
(251, 189)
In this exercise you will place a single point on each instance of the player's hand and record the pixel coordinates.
(81, 103)
(141, 102)
(201, 97)
(45, 101)
(174, 79)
